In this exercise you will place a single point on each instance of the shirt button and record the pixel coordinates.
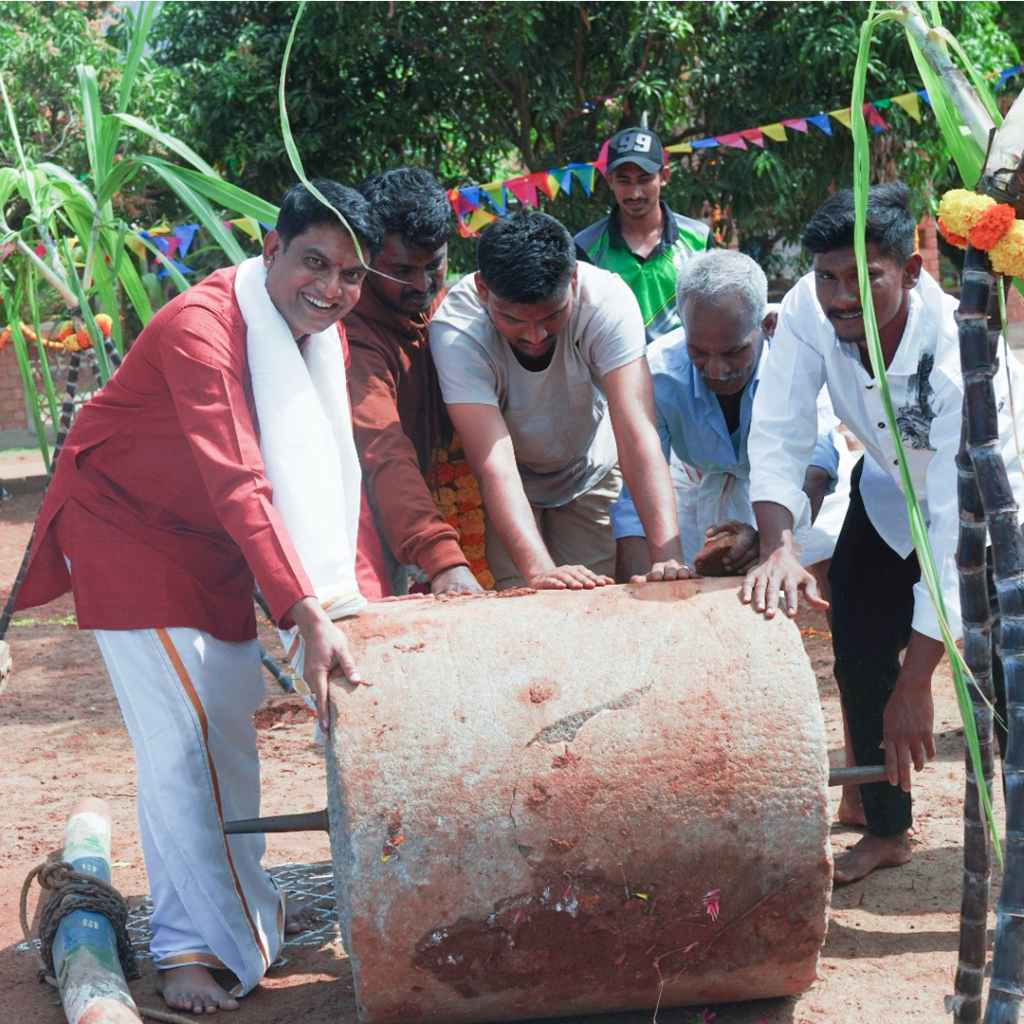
(895, 462)
(868, 387)
(881, 426)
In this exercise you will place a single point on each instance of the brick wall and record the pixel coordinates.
(13, 411)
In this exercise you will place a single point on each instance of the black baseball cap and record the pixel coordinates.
(638, 146)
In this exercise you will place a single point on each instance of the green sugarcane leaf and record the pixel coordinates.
(65, 183)
(918, 526)
(224, 194)
(199, 206)
(24, 366)
(289, 142)
(146, 17)
(44, 363)
(90, 321)
(122, 173)
(92, 112)
(168, 142)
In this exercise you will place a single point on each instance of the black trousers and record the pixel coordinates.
(872, 612)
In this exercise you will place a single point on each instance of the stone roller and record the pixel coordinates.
(567, 803)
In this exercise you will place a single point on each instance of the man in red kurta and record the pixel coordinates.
(396, 402)
(160, 518)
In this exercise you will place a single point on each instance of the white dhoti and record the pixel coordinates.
(188, 701)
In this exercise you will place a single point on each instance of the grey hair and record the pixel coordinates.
(712, 276)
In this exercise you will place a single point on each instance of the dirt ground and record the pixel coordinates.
(892, 940)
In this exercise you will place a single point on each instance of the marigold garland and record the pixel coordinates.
(966, 216)
(458, 498)
(66, 337)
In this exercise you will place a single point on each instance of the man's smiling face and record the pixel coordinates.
(838, 291)
(315, 279)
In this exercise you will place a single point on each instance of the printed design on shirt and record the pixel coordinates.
(914, 419)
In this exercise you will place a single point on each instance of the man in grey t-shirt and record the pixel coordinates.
(542, 367)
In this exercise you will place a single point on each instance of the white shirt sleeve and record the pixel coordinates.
(944, 514)
(464, 370)
(614, 335)
(784, 421)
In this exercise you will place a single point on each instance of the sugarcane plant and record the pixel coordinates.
(67, 245)
(968, 117)
(68, 250)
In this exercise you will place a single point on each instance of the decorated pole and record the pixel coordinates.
(85, 950)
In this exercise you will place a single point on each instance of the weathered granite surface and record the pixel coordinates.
(566, 803)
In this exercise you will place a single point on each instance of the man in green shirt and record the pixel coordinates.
(642, 240)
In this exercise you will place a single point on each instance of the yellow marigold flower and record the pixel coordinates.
(473, 551)
(446, 497)
(960, 209)
(1007, 255)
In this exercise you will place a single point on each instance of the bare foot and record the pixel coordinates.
(851, 808)
(192, 988)
(870, 853)
(298, 916)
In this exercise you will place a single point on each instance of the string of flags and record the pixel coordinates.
(172, 243)
(472, 214)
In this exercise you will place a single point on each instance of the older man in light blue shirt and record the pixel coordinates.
(705, 377)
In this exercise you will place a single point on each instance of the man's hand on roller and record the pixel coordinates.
(326, 654)
(664, 572)
(780, 574)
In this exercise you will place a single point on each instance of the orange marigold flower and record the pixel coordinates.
(5, 336)
(452, 520)
(66, 328)
(994, 223)
(474, 552)
(471, 538)
(961, 209)
(104, 323)
(485, 579)
(478, 565)
(467, 506)
(445, 473)
(462, 468)
(951, 236)
(474, 521)
(83, 339)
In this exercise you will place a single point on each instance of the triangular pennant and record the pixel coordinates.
(798, 124)
(923, 94)
(133, 245)
(5, 251)
(584, 175)
(540, 181)
(601, 163)
(471, 193)
(524, 190)
(479, 219)
(163, 228)
(875, 118)
(1005, 76)
(248, 226)
(754, 135)
(185, 233)
(554, 185)
(496, 193)
(704, 143)
(910, 103)
(820, 121)
(844, 117)
(883, 104)
(734, 139)
(564, 176)
(679, 147)
(775, 132)
(459, 202)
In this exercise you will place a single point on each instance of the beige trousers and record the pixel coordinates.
(579, 533)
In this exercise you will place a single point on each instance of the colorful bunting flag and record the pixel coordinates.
(540, 180)
(185, 233)
(820, 121)
(679, 147)
(704, 143)
(735, 140)
(471, 193)
(496, 193)
(844, 117)
(524, 190)
(553, 185)
(479, 219)
(249, 227)
(875, 118)
(754, 135)
(601, 163)
(776, 132)
(584, 175)
(798, 124)
(910, 103)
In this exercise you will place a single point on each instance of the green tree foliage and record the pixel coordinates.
(470, 90)
(758, 63)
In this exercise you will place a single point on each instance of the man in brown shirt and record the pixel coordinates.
(395, 398)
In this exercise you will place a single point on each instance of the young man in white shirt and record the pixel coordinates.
(879, 603)
(541, 364)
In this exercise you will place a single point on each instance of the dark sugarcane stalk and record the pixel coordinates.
(974, 314)
(978, 361)
(67, 412)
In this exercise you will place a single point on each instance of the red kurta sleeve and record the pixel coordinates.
(412, 525)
